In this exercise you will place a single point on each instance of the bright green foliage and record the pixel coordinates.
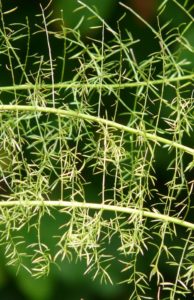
(61, 139)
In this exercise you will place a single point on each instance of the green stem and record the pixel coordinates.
(70, 113)
(105, 207)
(108, 86)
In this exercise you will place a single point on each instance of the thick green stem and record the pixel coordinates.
(70, 113)
(107, 86)
(104, 207)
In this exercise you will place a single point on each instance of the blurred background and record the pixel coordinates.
(68, 282)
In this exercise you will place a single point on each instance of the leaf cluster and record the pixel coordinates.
(101, 145)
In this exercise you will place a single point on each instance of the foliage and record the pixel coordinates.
(60, 137)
